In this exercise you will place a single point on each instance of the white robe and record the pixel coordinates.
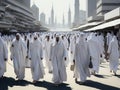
(114, 54)
(94, 50)
(65, 43)
(36, 53)
(72, 48)
(57, 57)
(81, 57)
(27, 61)
(3, 55)
(18, 55)
(47, 47)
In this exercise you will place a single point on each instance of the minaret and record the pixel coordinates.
(63, 20)
(52, 16)
(55, 20)
(76, 16)
(69, 17)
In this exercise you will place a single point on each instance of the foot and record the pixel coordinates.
(111, 71)
(115, 73)
(57, 84)
(81, 83)
(34, 81)
(16, 77)
(93, 73)
(76, 80)
(50, 71)
(2, 77)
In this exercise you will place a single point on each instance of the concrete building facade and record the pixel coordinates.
(15, 14)
(35, 11)
(104, 6)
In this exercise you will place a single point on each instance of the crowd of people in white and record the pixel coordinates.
(58, 49)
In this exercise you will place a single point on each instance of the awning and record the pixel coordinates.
(105, 25)
(88, 25)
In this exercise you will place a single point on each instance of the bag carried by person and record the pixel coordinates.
(90, 64)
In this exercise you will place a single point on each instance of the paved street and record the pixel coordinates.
(103, 81)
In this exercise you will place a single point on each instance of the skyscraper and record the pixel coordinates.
(91, 8)
(42, 18)
(76, 16)
(35, 11)
(52, 16)
(69, 17)
(63, 20)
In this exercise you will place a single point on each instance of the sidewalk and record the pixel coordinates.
(103, 81)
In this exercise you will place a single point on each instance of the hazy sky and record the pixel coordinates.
(60, 7)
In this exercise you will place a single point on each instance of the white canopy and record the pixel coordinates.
(105, 25)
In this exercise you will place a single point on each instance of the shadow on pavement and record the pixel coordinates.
(117, 76)
(102, 76)
(6, 82)
(100, 86)
(51, 86)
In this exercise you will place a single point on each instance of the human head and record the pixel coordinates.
(18, 37)
(57, 39)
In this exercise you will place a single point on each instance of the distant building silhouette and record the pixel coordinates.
(69, 17)
(52, 16)
(35, 11)
(63, 20)
(77, 14)
(42, 18)
(83, 17)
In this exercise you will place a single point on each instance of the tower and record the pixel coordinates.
(63, 20)
(77, 14)
(43, 18)
(69, 17)
(35, 11)
(52, 16)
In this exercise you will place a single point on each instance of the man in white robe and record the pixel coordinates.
(81, 60)
(27, 61)
(36, 56)
(72, 47)
(113, 53)
(95, 53)
(65, 43)
(58, 57)
(47, 47)
(18, 55)
(3, 57)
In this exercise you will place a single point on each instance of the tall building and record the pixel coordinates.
(63, 20)
(52, 16)
(104, 6)
(97, 8)
(82, 17)
(69, 17)
(91, 8)
(35, 11)
(15, 14)
(49, 21)
(76, 16)
(42, 18)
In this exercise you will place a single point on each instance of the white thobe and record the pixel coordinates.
(94, 50)
(57, 57)
(114, 54)
(81, 57)
(18, 55)
(36, 53)
(3, 56)
(47, 47)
